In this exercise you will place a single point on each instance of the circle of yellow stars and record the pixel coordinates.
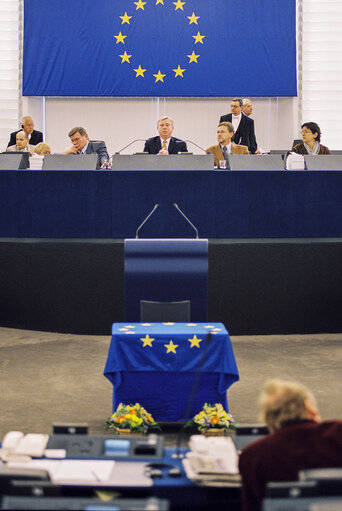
(159, 76)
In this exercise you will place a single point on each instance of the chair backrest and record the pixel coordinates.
(255, 162)
(165, 311)
(245, 434)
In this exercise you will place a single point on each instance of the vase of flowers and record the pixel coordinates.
(212, 420)
(131, 420)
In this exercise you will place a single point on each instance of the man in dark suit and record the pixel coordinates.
(34, 136)
(82, 145)
(243, 125)
(298, 440)
(165, 143)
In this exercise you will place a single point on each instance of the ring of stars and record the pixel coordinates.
(160, 74)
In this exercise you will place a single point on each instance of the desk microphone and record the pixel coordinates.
(195, 385)
(148, 216)
(194, 143)
(131, 143)
(186, 218)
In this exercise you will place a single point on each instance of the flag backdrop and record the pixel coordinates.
(159, 48)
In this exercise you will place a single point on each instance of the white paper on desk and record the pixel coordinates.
(92, 472)
(73, 471)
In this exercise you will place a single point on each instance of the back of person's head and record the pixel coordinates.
(283, 402)
(228, 125)
(314, 128)
(42, 148)
(78, 129)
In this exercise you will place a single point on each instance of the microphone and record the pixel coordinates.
(148, 216)
(195, 385)
(131, 143)
(186, 218)
(194, 143)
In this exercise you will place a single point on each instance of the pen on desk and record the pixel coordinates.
(98, 479)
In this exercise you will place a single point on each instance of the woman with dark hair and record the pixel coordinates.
(311, 135)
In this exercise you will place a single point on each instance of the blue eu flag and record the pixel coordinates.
(159, 48)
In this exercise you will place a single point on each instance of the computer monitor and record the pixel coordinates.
(14, 160)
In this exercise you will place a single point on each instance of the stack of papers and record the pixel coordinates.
(295, 161)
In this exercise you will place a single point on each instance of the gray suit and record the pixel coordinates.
(98, 147)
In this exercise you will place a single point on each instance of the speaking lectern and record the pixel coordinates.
(166, 270)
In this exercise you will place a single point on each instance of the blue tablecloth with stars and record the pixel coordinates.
(171, 369)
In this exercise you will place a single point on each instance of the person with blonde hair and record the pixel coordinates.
(298, 440)
(42, 149)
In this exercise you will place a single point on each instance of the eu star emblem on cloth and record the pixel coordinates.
(195, 342)
(147, 341)
(171, 348)
(159, 36)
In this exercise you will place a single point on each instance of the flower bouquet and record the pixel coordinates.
(213, 420)
(131, 419)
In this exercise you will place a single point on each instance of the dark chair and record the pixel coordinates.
(296, 142)
(165, 311)
(245, 434)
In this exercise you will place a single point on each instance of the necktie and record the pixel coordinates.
(225, 152)
(164, 145)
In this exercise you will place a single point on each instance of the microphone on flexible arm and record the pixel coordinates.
(131, 143)
(186, 218)
(194, 143)
(148, 216)
(199, 372)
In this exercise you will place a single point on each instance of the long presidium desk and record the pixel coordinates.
(160, 365)
(221, 204)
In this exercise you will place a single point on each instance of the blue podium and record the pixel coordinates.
(156, 365)
(166, 270)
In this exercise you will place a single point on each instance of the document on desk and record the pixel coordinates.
(91, 472)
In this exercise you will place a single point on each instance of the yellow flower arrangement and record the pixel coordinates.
(132, 417)
(212, 416)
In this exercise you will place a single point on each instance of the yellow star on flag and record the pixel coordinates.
(159, 77)
(179, 5)
(194, 342)
(160, 2)
(171, 347)
(169, 323)
(125, 57)
(193, 57)
(140, 5)
(193, 19)
(120, 38)
(179, 71)
(125, 18)
(140, 72)
(147, 341)
(198, 38)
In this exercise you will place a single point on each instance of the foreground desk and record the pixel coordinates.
(159, 365)
(224, 204)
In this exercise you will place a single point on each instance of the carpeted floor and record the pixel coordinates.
(48, 377)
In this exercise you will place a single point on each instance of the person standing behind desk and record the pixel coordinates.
(243, 125)
(165, 143)
(34, 136)
(311, 135)
(225, 146)
(82, 145)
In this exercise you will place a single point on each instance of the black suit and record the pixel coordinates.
(244, 135)
(36, 137)
(98, 147)
(153, 146)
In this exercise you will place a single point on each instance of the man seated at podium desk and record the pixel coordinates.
(165, 143)
(225, 146)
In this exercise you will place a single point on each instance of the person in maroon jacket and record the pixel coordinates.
(298, 440)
